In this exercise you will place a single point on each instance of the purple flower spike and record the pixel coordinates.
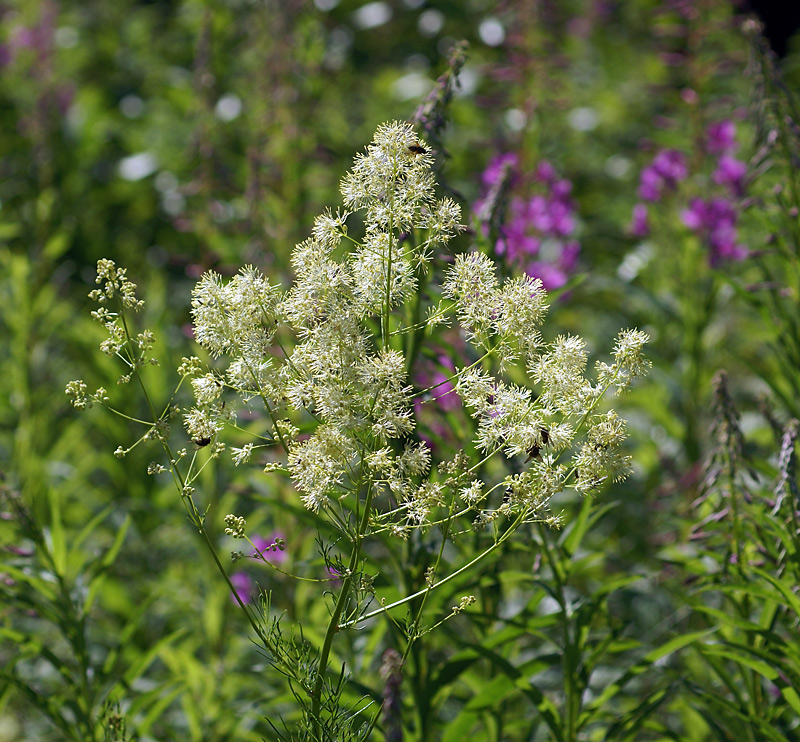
(721, 138)
(445, 393)
(640, 222)
(715, 220)
(544, 217)
(554, 275)
(545, 173)
(666, 171)
(696, 216)
(497, 165)
(670, 164)
(731, 172)
(650, 183)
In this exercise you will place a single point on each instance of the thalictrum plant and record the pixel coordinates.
(326, 368)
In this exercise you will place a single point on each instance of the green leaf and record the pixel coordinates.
(519, 678)
(722, 707)
(56, 246)
(611, 690)
(460, 726)
(741, 658)
(153, 704)
(138, 667)
(635, 718)
(90, 527)
(497, 689)
(9, 231)
(58, 547)
(792, 698)
(589, 515)
(104, 563)
(787, 592)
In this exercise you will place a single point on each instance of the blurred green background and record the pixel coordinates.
(175, 137)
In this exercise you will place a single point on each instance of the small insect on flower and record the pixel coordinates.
(201, 442)
(534, 451)
(417, 149)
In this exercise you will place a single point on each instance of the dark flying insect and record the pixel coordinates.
(417, 149)
(533, 451)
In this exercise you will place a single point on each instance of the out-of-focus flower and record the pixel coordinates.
(730, 172)
(721, 138)
(444, 392)
(664, 173)
(441, 399)
(715, 220)
(497, 166)
(640, 222)
(244, 586)
(670, 164)
(556, 272)
(335, 576)
(533, 236)
(270, 549)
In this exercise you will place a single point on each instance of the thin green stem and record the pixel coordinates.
(445, 580)
(333, 624)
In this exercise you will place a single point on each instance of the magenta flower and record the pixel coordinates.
(497, 166)
(670, 164)
(650, 185)
(535, 235)
(715, 220)
(721, 138)
(640, 222)
(664, 173)
(335, 576)
(730, 172)
(444, 392)
(554, 274)
(268, 549)
(545, 173)
(244, 587)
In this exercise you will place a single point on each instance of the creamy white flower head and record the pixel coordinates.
(322, 289)
(473, 493)
(329, 228)
(415, 460)
(337, 371)
(319, 465)
(242, 455)
(532, 490)
(443, 221)
(600, 458)
(522, 306)
(234, 316)
(629, 360)
(476, 388)
(201, 424)
(207, 388)
(381, 461)
(425, 498)
(254, 377)
(560, 374)
(471, 282)
(371, 267)
(394, 170)
(114, 283)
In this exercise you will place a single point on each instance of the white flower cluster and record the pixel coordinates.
(330, 354)
(511, 315)
(356, 392)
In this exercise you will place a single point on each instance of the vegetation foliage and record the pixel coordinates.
(340, 472)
